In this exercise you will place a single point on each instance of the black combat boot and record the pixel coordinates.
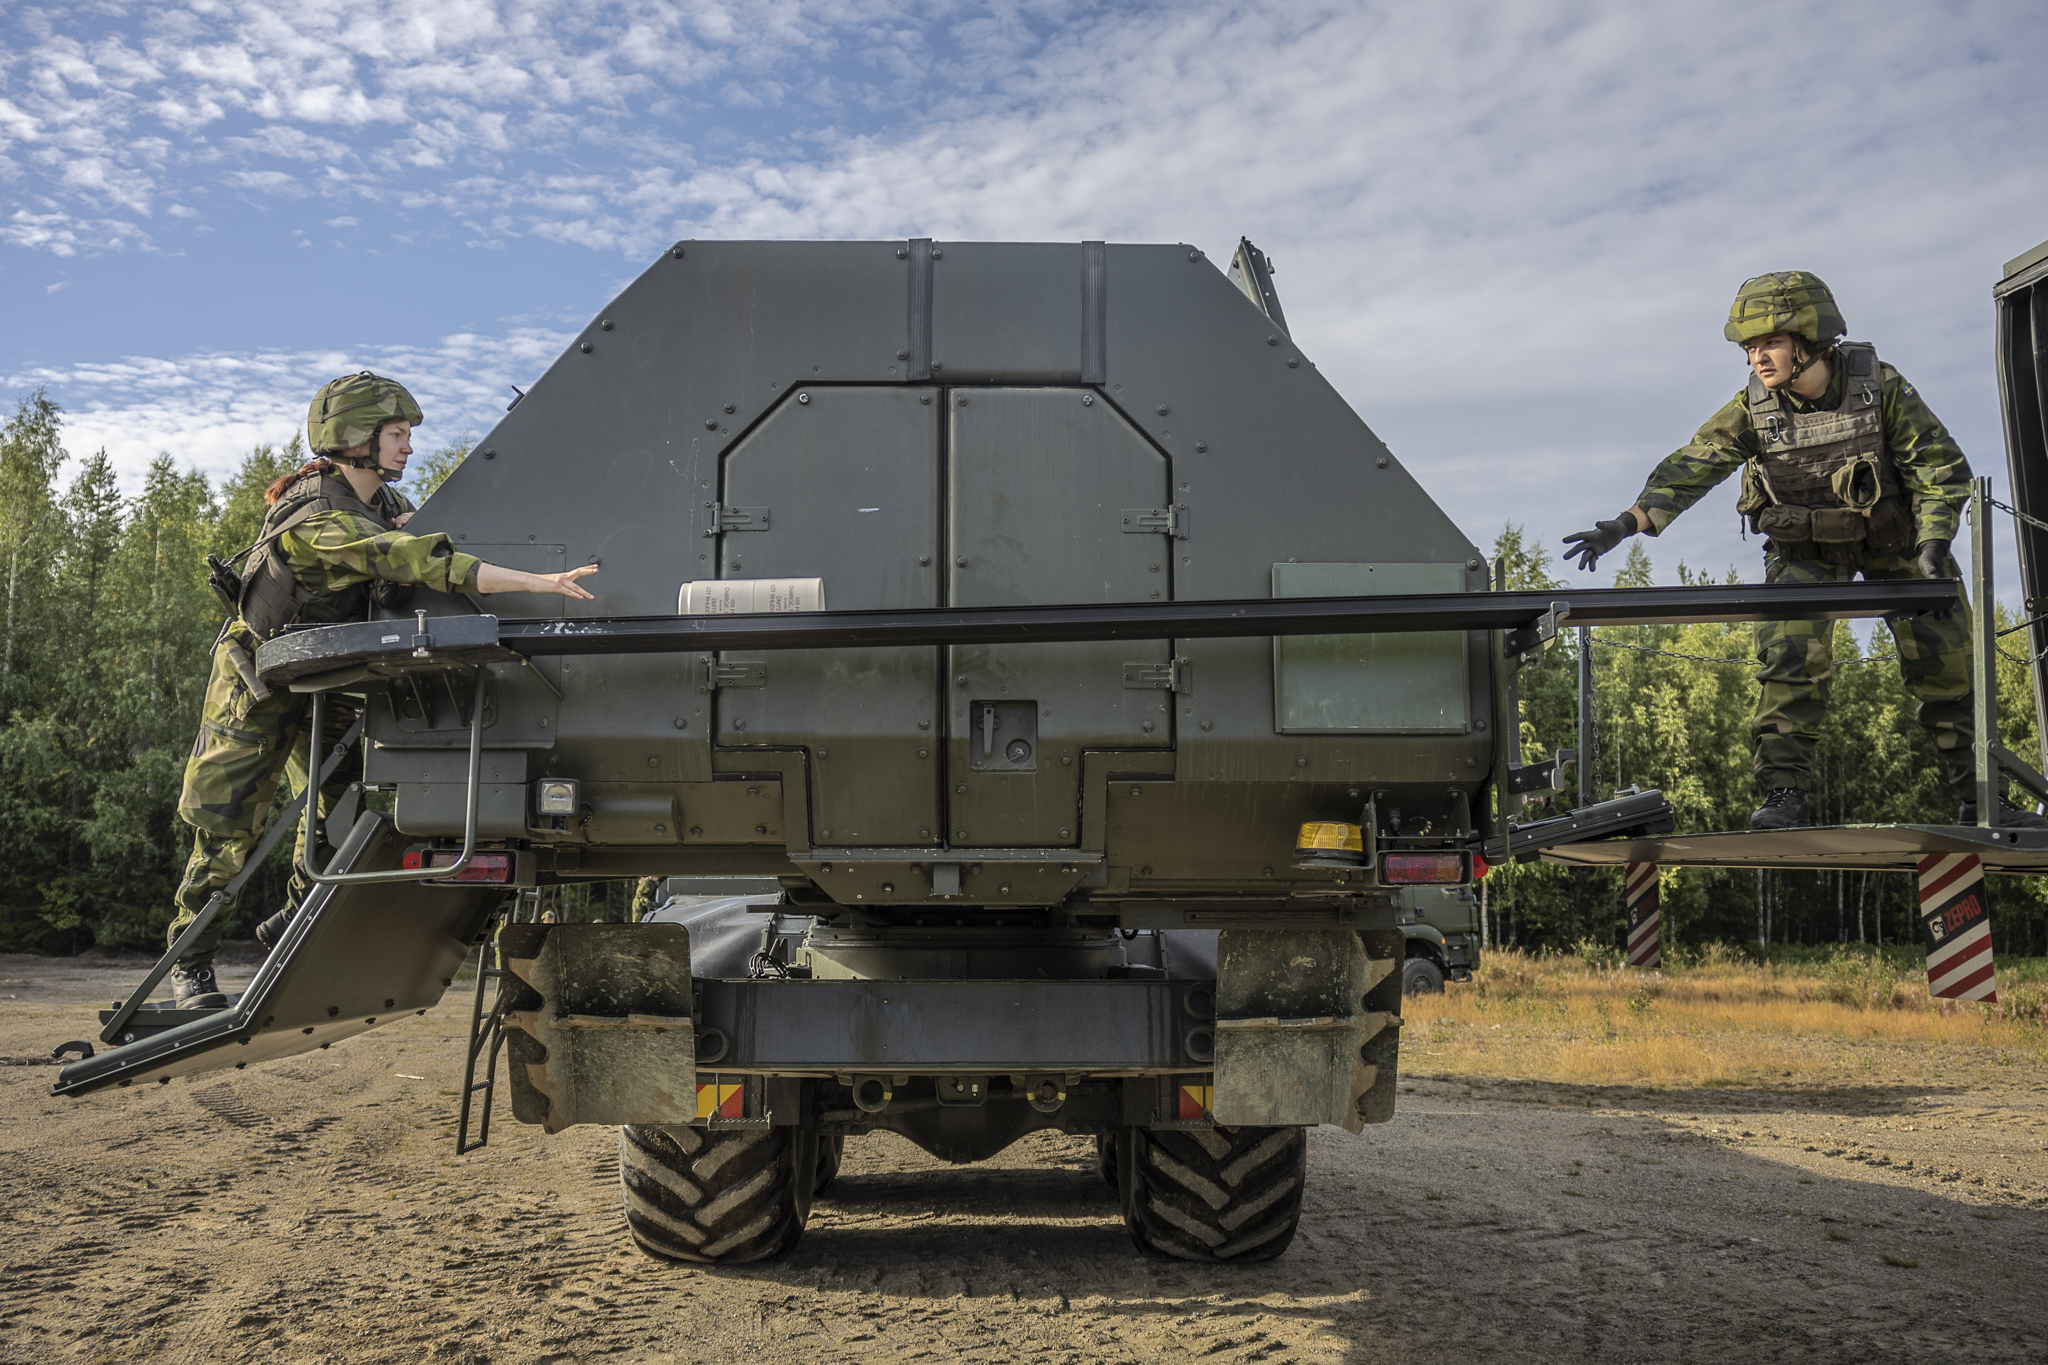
(2009, 815)
(272, 929)
(193, 988)
(1783, 808)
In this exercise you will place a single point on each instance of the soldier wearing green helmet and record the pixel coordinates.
(330, 545)
(1845, 470)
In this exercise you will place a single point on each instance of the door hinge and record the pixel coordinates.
(718, 674)
(1164, 521)
(737, 519)
(1175, 675)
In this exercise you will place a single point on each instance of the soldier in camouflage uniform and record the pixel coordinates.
(645, 893)
(1845, 470)
(330, 542)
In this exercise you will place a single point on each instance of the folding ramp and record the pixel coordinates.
(356, 956)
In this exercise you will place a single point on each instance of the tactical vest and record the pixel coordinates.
(272, 596)
(1822, 484)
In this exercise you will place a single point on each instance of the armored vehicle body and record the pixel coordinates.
(1078, 677)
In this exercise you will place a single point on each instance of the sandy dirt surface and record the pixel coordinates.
(313, 1210)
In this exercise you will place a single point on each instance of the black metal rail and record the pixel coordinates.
(394, 646)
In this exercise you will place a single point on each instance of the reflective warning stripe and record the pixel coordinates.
(1955, 926)
(1962, 962)
(1944, 870)
(721, 1101)
(1639, 877)
(1645, 933)
(1194, 1101)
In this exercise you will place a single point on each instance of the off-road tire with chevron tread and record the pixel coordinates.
(717, 1195)
(1212, 1194)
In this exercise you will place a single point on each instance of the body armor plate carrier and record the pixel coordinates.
(272, 596)
(1822, 484)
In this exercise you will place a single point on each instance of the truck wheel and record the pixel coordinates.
(830, 1150)
(717, 1195)
(1422, 977)
(1212, 1194)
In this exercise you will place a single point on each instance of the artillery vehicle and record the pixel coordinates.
(1083, 673)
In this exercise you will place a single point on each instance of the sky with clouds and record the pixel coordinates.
(1507, 232)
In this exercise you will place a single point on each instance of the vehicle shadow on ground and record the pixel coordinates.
(1859, 1099)
(1552, 1264)
(981, 1223)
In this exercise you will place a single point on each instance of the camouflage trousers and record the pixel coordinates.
(245, 745)
(644, 893)
(1798, 666)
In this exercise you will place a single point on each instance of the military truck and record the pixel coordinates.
(1081, 673)
(1440, 926)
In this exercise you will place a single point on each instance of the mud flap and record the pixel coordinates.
(601, 1029)
(1297, 1041)
(354, 957)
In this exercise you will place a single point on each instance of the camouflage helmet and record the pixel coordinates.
(347, 412)
(1792, 301)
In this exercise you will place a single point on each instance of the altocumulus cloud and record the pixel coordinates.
(1507, 232)
(210, 410)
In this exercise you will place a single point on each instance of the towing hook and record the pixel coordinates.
(59, 1052)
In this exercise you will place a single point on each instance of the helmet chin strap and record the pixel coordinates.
(1805, 356)
(375, 462)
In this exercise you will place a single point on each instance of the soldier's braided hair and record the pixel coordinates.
(319, 464)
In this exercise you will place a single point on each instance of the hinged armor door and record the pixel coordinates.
(1039, 483)
(849, 478)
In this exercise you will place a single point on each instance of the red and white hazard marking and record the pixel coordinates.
(1645, 933)
(1955, 923)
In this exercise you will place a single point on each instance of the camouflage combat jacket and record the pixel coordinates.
(334, 551)
(1932, 471)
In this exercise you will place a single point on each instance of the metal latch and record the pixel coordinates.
(737, 519)
(720, 674)
(1166, 521)
(1527, 641)
(1524, 778)
(1175, 675)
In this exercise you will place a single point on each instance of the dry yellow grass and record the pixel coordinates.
(1722, 1022)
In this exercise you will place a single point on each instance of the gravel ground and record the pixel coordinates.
(313, 1210)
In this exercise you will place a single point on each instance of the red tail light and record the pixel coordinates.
(1422, 869)
(1480, 867)
(483, 867)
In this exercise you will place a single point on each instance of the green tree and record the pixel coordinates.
(242, 506)
(30, 454)
(431, 470)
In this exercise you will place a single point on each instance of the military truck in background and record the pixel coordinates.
(1087, 686)
(1441, 929)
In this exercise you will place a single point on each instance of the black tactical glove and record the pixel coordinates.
(1603, 537)
(1933, 559)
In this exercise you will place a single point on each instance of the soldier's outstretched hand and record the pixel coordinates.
(1588, 546)
(495, 578)
(565, 583)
